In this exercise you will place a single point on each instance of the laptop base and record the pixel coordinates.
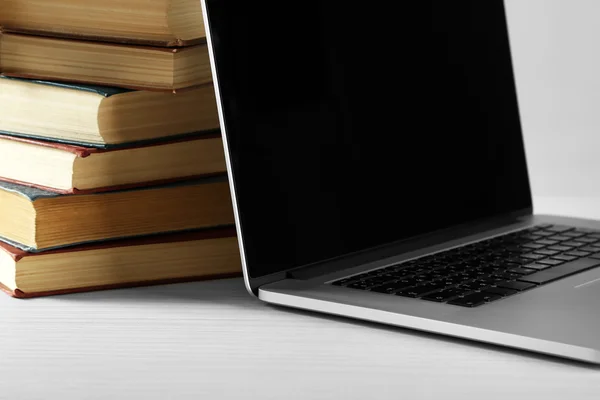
(555, 319)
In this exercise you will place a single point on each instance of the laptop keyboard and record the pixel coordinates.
(489, 270)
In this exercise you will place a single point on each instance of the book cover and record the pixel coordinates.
(37, 220)
(218, 243)
(122, 65)
(104, 91)
(162, 22)
(103, 116)
(151, 163)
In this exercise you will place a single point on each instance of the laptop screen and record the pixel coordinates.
(353, 125)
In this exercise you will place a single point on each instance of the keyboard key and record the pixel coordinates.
(564, 257)
(439, 275)
(544, 233)
(578, 253)
(359, 285)
(587, 240)
(591, 249)
(474, 299)
(531, 236)
(508, 276)
(547, 252)
(573, 234)
(388, 288)
(438, 266)
(483, 271)
(500, 291)
(444, 295)
(475, 285)
(413, 270)
(452, 280)
(533, 256)
(374, 272)
(377, 280)
(547, 242)
(490, 269)
(343, 282)
(537, 266)
(425, 277)
(419, 291)
(573, 244)
(459, 267)
(587, 230)
(492, 280)
(407, 282)
(383, 273)
(559, 238)
(522, 271)
(515, 285)
(561, 247)
(419, 269)
(559, 228)
(470, 274)
(445, 268)
(595, 256)
(561, 271)
(550, 262)
(399, 274)
(533, 246)
(519, 260)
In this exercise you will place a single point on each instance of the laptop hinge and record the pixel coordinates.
(431, 239)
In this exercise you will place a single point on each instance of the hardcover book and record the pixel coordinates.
(144, 261)
(156, 22)
(67, 168)
(134, 67)
(102, 116)
(35, 220)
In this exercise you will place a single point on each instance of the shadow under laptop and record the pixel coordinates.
(439, 337)
(232, 292)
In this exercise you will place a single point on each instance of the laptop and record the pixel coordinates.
(378, 172)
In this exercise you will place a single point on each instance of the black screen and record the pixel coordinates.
(351, 125)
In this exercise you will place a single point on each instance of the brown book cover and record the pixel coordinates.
(156, 22)
(122, 65)
(37, 220)
(17, 255)
(103, 116)
(214, 162)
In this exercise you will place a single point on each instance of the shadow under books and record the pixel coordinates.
(233, 292)
(228, 291)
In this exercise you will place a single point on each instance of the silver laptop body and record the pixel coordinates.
(254, 49)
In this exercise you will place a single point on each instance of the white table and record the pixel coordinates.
(211, 340)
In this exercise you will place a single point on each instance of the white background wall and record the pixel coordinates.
(556, 52)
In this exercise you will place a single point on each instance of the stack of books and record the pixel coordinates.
(112, 168)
